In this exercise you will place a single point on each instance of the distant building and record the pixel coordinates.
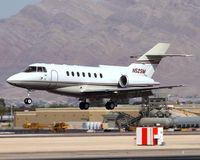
(48, 116)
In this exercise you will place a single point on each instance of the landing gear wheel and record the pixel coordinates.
(28, 101)
(84, 105)
(110, 105)
(81, 105)
(87, 105)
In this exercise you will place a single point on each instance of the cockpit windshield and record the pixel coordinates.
(35, 69)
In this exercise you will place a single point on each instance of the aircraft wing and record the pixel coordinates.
(130, 92)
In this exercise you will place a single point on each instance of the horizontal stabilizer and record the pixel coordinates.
(159, 57)
(158, 50)
(170, 55)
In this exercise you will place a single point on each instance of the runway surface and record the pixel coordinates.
(86, 134)
(90, 147)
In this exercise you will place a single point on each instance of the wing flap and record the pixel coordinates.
(134, 89)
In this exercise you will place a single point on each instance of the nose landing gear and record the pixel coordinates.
(28, 100)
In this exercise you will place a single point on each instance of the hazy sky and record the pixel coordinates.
(12, 7)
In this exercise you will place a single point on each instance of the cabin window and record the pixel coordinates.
(83, 74)
(73, 74)
(95, 75)
(89, 74)
(101, 75)
(67, 73)
(78, 74)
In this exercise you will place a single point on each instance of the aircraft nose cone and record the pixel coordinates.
(10, 80)
(14, 79)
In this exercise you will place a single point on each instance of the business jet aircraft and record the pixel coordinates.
(104, 81)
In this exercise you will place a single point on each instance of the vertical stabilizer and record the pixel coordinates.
(149, 61)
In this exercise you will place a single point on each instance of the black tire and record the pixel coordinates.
(81, 105)
(28, 101)
(87, 105)
(84, 105)
(110, 105)
(107, 105)
(25, 101)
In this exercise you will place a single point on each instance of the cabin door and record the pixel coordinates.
(54, 79)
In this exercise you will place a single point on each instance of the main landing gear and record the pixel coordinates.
(28, 100)
(110, 105)
(84, 105)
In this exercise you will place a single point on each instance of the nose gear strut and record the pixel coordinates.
(28, 100)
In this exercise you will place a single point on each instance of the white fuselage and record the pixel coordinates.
(73, 80)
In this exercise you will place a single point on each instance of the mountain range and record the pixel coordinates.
(93, 32)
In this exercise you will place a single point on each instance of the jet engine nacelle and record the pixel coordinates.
(123, 81)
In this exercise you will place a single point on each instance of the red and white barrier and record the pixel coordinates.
(149, 136)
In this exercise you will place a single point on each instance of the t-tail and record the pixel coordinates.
(149, 61)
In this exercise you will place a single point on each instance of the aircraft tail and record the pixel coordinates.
(155, 54)
(149, 61)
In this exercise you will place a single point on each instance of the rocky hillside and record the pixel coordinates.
(92, 32)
